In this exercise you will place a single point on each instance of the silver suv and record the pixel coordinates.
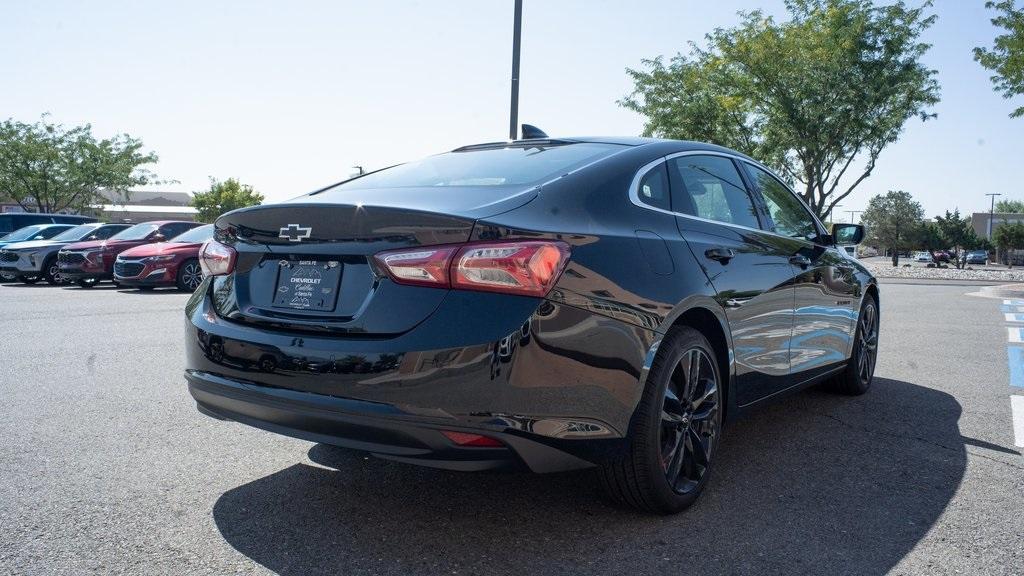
(36, 260)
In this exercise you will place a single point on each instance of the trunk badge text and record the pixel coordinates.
(295, 232)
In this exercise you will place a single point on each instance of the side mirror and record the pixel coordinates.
(845, 234)
(158, 237)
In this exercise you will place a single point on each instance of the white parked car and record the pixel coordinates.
(922, 257)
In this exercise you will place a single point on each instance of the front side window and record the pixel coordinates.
(787, 212)
(711, 188)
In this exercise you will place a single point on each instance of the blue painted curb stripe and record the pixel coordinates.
(1016, 358)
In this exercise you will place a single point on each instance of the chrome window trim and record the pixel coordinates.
(634, 191)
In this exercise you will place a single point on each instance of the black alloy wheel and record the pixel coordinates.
(856, 378)
(190, 276)
(867, 343)
(675, 431)
(689, 428)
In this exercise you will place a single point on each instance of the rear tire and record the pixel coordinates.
(675, 430)
(856, 378)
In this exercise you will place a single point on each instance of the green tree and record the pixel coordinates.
(1006, 57)
(818, 97)
(224, 197)
(46, 167)
(956, 233)
(893, 221)
(1010, 207)
(1009, 237)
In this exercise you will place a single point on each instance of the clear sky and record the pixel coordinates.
(287, 96)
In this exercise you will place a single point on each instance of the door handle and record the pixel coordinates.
(720, 254)
(800, 260)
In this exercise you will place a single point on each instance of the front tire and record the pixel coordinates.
(190, 276)
(675, 431)
(51, 272)
(856, 378)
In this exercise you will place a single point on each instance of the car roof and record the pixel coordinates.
(636, 141)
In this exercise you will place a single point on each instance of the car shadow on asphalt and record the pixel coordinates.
(813, 483)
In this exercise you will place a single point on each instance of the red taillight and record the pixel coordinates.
(216, 259)
(528, 267)
(475, 440)
(427, 266)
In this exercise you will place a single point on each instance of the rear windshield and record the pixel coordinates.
(137, 232)
(195, 235)
(513, 165)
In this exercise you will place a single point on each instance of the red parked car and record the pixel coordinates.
(88, 263)
(171, 263)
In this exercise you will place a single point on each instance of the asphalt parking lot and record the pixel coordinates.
(106, 467)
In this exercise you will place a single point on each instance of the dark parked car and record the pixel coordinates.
(11, 221)
(171, 263)
(87, 263)
(549, 304)
(36, 260)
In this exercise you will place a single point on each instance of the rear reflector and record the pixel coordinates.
(216, 259)
(528, 267)
(476, 440)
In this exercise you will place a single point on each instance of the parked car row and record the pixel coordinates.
(144, 256)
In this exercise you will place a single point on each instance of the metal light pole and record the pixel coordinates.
(852, 212)
(991, 210)
(513, 129)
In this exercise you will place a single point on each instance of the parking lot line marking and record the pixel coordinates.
(1015, 356)
(1017, 407)
(1015, 334)
(1011, 317)
(1013, 302)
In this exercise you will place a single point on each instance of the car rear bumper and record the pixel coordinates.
(558, 392)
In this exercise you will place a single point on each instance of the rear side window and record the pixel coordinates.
(787, 212)
(710, 187)
(515, 164)
(104, 232)
(653, 189)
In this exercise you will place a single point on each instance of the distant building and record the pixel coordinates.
(135, 206)
(145, 205)
(979, 221)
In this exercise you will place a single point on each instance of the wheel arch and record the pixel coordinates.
(705, 315)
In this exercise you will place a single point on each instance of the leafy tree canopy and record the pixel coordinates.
(1010, 206)
(223, 197)
(808, 96)
(1006, 57)
(892, 221)
(956, 233)
(48, 168)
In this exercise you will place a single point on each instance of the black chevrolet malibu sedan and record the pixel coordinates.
(546, 303)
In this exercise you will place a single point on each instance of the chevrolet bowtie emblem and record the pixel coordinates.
(295, 233)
